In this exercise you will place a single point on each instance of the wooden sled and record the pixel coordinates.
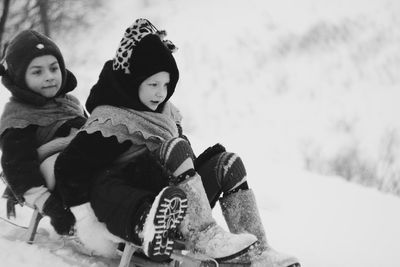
(130, 259)
(179, 258)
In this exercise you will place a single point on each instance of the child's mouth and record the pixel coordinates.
(49, 87)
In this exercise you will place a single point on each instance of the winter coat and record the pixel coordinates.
(113, 138)
(25, 127)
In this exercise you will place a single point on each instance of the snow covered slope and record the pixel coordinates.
(324, 221)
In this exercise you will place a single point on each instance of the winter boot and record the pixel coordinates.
(200, 230)
(61, 219)
(241, 214)
(158, 225)
(50, 205)
(92, 236)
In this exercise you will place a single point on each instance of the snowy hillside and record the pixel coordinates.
(305, 91)
(324, 221)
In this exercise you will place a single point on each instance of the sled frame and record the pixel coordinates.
(35, 218)
(128, 258)
(178, 259)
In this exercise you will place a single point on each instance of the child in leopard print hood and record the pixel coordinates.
(136, 163)
(36, 124)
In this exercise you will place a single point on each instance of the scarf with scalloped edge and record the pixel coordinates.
(50, 117)
(145, 129)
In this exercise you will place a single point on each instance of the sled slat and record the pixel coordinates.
(142, 262)
(33, 225)
(187, 261)
(127, 255)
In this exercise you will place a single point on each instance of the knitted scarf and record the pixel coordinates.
(50, 116)
(145, 129)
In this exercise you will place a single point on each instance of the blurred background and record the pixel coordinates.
(310, 84)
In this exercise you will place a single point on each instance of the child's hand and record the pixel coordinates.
(208, 154)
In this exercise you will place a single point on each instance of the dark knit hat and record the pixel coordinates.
(22, 49)
(149, 57)
(142, 52)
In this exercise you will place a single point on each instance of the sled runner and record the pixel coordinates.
(13, 200)
(179, 258)
(130, 259)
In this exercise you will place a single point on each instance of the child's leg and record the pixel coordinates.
(222, 173)
(145, 218)
(177, 156)
(47, 155)
(199, 229)
(47, 170)
(225, 173)
(50, 204)
(117, 203)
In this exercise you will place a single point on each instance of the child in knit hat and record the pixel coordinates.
(133, 147)
(37, 122)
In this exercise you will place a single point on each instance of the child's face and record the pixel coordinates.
(153, 90)
(43, 76)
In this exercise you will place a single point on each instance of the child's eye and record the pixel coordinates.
(54, 68)
(36, 72)
(153, 84)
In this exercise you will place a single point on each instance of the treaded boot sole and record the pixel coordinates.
(170, 212)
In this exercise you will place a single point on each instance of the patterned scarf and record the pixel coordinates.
(146, 130)
(50, 116)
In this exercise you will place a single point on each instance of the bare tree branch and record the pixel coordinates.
(48, 16)
(44, 19)
(6, 7)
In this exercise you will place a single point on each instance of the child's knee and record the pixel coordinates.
(47, 170)
(176, 155)
(231, 171)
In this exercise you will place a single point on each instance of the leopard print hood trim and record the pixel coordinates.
(132, 36)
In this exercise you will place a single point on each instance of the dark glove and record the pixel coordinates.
(61, 219)
(208, 154)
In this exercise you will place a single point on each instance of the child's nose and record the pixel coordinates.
(161, 91)
(50, 76)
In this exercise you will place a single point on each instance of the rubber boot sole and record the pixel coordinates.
(170, 212)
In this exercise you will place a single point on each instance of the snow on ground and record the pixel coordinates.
(324, 221)
(290, 86)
